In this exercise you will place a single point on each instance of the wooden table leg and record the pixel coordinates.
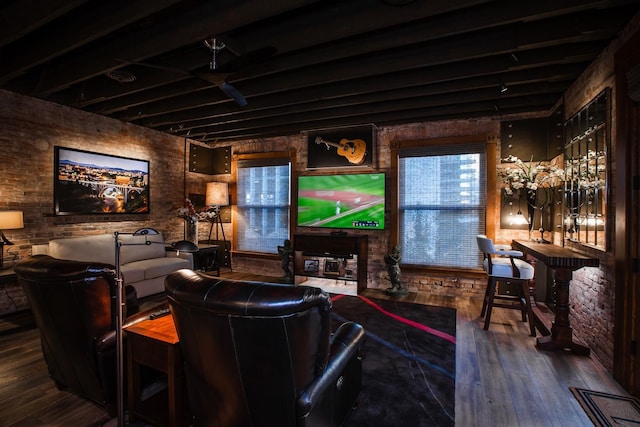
(532, 282)
(175, 388)
(561, 337)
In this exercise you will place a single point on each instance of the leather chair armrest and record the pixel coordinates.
(345, 345)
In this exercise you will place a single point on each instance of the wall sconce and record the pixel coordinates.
(9, 220)
(519, 219)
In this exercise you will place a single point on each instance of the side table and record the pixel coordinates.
(154, 343)
(207, 258)
(12, 298)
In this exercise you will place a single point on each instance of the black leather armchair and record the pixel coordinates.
(74, 306)
(262, 354)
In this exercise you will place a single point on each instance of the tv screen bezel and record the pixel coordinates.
(99, 159)
(383, 224)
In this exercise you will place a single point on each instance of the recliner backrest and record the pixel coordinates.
(250, 348)
(73, 304)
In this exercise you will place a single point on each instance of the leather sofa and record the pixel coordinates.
(143, 266)
(263, 354)
(74, 307)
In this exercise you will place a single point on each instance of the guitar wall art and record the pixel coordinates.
(353, 147)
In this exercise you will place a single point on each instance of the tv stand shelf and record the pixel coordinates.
(341, 257)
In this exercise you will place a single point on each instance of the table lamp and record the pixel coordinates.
(9, 220)
(217, 195)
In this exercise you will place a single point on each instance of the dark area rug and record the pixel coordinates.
(408, 362)
(606, 409)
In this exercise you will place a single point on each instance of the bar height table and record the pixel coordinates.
(563, 262)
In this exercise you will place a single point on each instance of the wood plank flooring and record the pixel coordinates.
(501, 378)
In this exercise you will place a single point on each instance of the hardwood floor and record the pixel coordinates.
(501, 378)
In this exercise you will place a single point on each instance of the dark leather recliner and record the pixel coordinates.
(74, 306)
(262, 354)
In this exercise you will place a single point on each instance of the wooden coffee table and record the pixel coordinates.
(154, 343)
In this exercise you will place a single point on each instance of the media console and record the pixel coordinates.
(336, 256)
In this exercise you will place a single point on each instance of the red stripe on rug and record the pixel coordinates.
(409, 322)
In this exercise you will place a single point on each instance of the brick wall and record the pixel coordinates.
(30, 131)
(379, 242)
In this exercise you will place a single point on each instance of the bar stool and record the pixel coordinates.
(501, 264)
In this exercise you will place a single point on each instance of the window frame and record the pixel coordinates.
(261, 157)
(490, 190)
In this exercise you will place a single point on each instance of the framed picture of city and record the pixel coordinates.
(87, 183)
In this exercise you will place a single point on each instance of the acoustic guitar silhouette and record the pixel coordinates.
(354, 150)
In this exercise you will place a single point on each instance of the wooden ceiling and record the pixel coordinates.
(325, 63)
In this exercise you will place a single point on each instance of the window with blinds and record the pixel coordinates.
(263, 204)
(442, 205)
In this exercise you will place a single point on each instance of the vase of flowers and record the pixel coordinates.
(190, 215)
(530, 177)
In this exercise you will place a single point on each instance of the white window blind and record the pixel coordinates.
(442, 205)
(263, 205)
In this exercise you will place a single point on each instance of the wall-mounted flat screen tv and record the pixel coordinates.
(95, 183)
(349, 201)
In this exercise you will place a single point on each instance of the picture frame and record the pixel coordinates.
(331, 267)
(88, 183)
(352, 147)
(311, 265)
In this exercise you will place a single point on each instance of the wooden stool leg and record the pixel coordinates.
(524, 286)
(491, 290)
(486, 298)
(523, 300)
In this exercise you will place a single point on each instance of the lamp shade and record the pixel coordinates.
(11, 220)
(185, 246)
(217, 194)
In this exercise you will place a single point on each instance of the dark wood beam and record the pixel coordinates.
(191, 26)
(366, 82)
(76, 30)
(18, 18)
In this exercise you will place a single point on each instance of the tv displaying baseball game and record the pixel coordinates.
(349, 201)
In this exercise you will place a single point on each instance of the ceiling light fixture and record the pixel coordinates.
(503, 87)
(121, 76)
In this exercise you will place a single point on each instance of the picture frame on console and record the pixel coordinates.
(88, 183)
(331, 267)
(311, 265)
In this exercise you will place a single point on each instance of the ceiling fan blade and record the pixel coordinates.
(233, 93)
(227, 88)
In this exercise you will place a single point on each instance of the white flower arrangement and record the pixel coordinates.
(529, 176)
(189, 213)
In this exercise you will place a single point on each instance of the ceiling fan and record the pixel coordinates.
(217, 74)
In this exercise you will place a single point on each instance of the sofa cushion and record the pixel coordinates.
(136, 248)
(151, 268)
(98, 248)
(131, 274)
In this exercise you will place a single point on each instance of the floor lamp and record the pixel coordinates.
(143, 240)
(9, 220)
(218, 195)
